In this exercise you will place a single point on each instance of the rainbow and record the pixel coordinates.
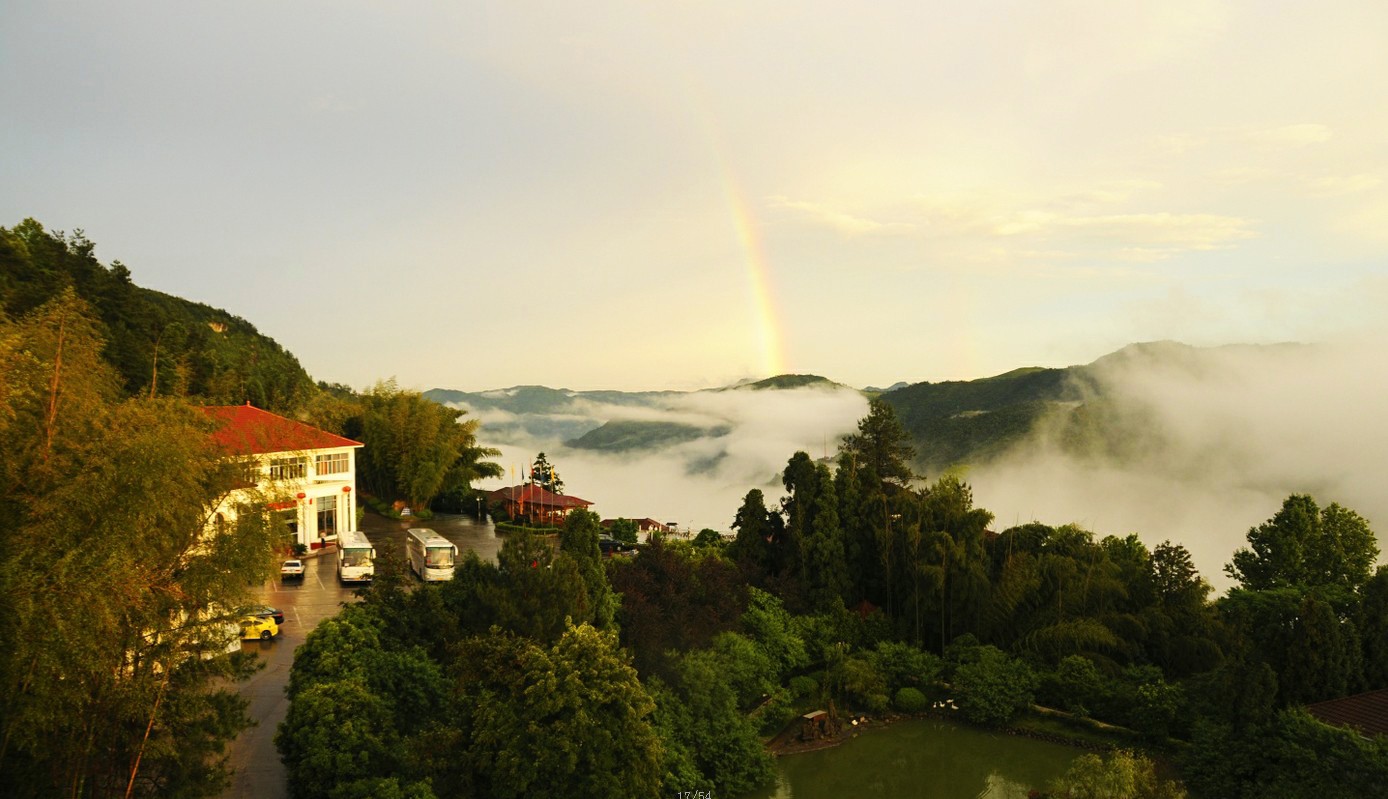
(758, 276)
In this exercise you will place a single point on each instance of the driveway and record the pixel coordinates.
(257, 771)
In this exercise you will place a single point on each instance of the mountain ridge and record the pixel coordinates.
(952, 423)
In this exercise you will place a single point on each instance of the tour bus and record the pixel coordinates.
(431, 555)
(355, 558)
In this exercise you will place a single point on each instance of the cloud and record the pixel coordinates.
(1012, 226)
(698, 483)
(1240, 175)
(1335, 185)
(1290, 136)
(1215, 442)
(1175, 231)
(838, 220)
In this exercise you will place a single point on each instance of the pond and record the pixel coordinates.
(922, 758)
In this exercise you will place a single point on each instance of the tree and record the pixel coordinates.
(537, 592)
(625, 531)
(117, 584)
(571, 719)
(773, 629)
(1303, 545)
(417, 449)
(1118, 775)
(544, 475)
(1290, 756)
(702, 722)
(673, 602)
(852, 680)
(882, 445)
(157, 345)
(707, 537)
(993, 688)
(1079, 685)
(1178, 585)
(757, 528)
(812, 544)
(579, 540)
(903, 665)
(1373, 629)
(1323, 663)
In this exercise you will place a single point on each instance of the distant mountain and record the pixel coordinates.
(538, 412)
(627, 435)
(1079, 408)
(892, 387)
(585, 419)
(967, 421)
(784, 382)
(201, 351)
(951, 423)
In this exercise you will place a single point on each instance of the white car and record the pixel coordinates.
(292, 568)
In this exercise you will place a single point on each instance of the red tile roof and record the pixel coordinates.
(1367, 713)
(532, 494)
(248, 430)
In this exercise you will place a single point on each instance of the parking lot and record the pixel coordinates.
(258, 772)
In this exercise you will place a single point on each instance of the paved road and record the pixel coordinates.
(258, 773)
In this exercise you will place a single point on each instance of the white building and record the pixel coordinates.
(312, 473)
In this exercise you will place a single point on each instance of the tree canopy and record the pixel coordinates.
(417, 449)
(122, 574)
(882, 445)
(1305, 545)
(157, 344)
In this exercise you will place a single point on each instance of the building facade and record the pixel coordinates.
(306, 475)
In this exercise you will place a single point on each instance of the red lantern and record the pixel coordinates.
(302, 495)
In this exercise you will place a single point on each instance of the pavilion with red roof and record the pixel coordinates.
(309, 474)
(535, 503)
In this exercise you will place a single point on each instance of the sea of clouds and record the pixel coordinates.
(1220, 441)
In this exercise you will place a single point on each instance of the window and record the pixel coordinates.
(327, 515)
(288, 468)
(336, 463)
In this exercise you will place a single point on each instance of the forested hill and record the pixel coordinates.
(1096, 409)
(968, 421)
(181, 347)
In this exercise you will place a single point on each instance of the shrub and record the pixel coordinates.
(903, 665)
(708, 537)
(1077, 685)
(777, 713)
(803, 686)
(1118, 773)
(994, 687)
(909, 700)
(858, 684)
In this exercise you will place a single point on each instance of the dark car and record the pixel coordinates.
(611, 546)
(267, 612)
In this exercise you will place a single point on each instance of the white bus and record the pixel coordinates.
(431, 555)
(356, 558)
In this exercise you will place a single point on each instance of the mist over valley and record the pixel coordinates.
(1170, 441)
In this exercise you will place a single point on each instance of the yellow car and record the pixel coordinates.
(262, 627)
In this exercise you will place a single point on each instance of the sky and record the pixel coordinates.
(635, 195)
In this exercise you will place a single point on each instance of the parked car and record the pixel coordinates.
(292, 568)
(262, 627)
(611, 546)
(267, 612)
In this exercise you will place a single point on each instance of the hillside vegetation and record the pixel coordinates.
(158, 344)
